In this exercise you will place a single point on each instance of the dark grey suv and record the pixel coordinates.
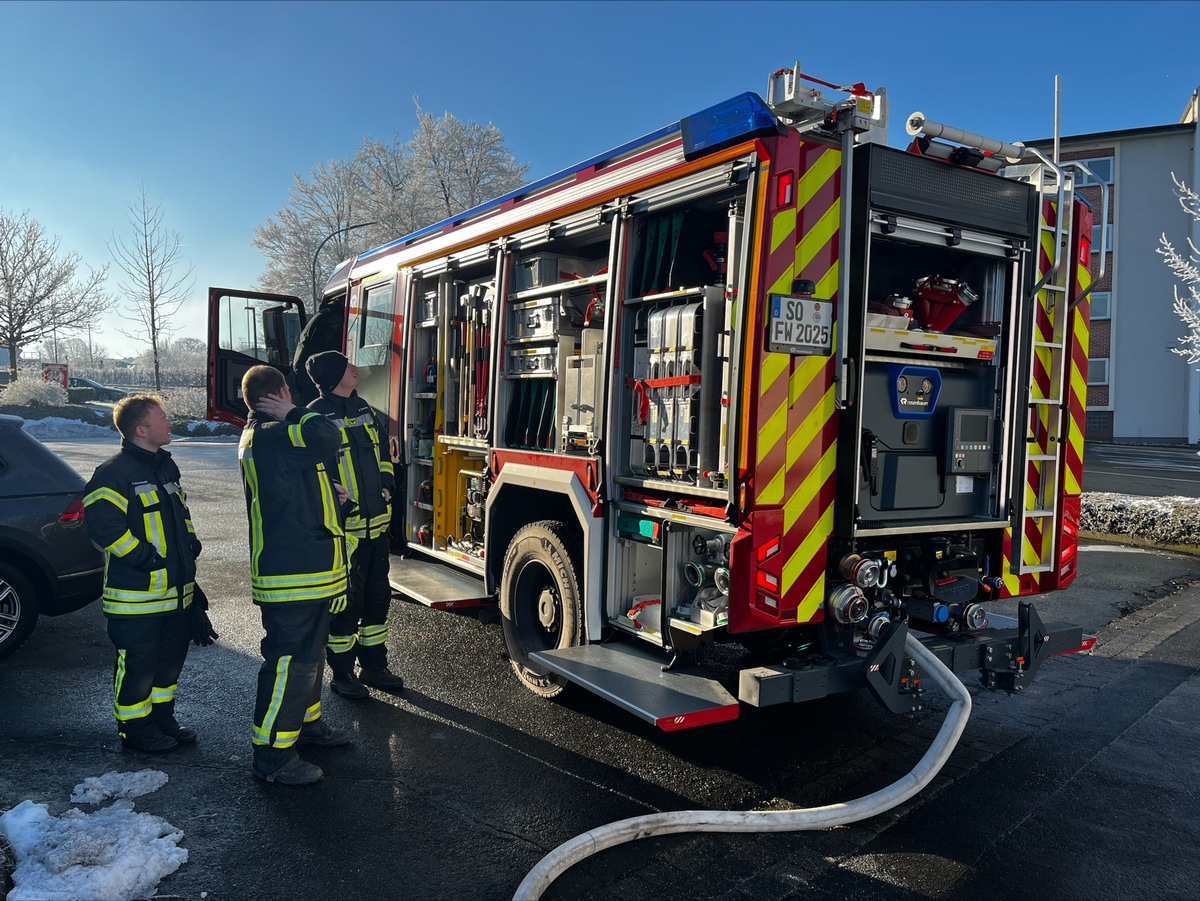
(103, 392)
(47, 563)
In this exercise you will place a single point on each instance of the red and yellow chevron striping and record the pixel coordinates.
(796, 446)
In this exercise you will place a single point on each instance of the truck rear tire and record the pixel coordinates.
(540, 601)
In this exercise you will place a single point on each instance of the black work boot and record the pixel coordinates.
(323, 735)
(167, 723)
(383, 679)
(293, 771)
(347, 685)
(146, 737)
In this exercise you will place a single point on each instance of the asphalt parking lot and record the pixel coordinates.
(1082, 787)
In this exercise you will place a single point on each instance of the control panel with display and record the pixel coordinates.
(969, 432)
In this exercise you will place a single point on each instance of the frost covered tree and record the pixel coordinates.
(387, 189)
(328, 200)
(153, 290)
(42, 291)
(1186, 268)
(462, 164)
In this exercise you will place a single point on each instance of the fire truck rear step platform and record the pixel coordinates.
(1006, 654)
(435, 585)
(632, 678)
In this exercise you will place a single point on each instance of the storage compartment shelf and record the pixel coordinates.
(665, 296)
(559, 287)
(676, 488)
(468, 443)
(915, 526)
(934, 344)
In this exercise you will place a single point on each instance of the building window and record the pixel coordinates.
(1107, 238)
(1101, 165)
(1101, 305)
(1098, 371)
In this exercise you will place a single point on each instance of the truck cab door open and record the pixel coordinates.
(245, 329)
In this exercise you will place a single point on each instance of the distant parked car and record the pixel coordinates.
(103, 392)
(48, 565)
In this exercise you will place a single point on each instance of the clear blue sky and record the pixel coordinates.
(214, 105)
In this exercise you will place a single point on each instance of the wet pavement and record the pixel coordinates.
(1082, 787)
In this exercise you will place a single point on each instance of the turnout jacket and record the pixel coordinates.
(136, 510)
(363, 464)
(297, 544)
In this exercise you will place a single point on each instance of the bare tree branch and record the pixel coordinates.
(1186, 269)
(153, 292)
(448, 166)
(40, 293)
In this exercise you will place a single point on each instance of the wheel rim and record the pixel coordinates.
(10, 609)
(537, 608)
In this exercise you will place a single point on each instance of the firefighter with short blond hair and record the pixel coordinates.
(136, 511)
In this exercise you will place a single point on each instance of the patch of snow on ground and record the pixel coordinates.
(54, 427)
(95, 789)
(112, 853)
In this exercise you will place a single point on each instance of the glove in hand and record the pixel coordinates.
(338, 604)
(203, 633)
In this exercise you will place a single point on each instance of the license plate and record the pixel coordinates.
(800, 325)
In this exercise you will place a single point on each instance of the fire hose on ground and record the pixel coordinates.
(588, 843)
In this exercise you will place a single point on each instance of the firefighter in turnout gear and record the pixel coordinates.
(298, 570)
(364, 467)
(136, 511)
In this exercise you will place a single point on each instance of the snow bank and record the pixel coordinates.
(54, 427)
(111, 853)
(1163, 520)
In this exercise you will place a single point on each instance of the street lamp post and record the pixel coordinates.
(321, 246)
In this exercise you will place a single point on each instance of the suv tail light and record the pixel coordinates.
(74, 511)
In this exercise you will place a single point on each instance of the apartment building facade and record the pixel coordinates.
(1138, 390)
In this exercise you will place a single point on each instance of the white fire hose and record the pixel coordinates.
(585, 845)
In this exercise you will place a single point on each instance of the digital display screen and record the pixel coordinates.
(973, 427)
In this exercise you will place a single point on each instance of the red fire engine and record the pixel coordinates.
(721, 415)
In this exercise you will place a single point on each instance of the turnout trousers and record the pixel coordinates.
(361, 629)
(289, 680)
(151, 649)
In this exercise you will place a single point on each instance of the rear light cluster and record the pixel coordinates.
(768, 582)
(74, 511)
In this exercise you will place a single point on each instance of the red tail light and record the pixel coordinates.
(74, 511)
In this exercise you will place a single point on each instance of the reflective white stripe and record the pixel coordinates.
(152, 525)
(124, 544)
(162, 695)
(262, 732)
(107, 494)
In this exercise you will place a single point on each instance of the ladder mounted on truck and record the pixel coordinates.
(1041, 454)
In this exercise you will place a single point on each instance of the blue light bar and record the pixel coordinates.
(731, 122)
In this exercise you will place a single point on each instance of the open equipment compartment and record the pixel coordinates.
(937, 326)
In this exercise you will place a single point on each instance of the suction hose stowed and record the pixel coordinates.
(585, 845)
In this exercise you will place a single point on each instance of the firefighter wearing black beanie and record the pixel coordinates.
(326, 370)
(363, 467)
